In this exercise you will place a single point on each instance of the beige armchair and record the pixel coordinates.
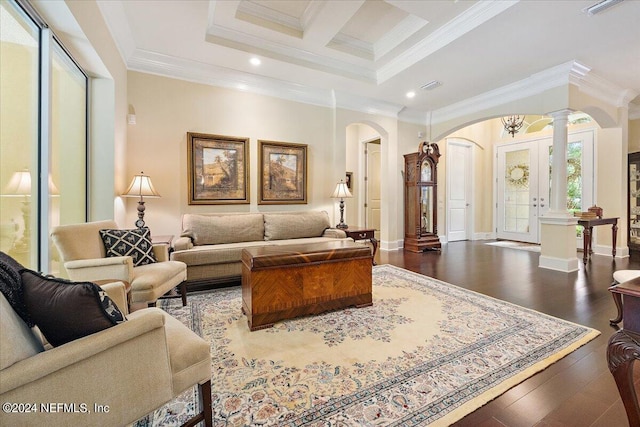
(109, 378)
(84, 256)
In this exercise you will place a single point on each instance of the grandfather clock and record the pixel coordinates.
(420, 198)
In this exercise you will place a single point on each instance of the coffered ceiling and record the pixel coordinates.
(371, 53)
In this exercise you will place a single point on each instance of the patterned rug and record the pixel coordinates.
(425, 353)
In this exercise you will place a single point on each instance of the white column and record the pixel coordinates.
(558, 202)
(558, 226)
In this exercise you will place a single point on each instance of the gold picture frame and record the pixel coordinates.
(218, 168)
(283, 173)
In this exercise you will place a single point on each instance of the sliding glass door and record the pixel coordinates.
(43, 137)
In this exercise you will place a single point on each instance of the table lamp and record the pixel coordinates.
(341, 192)
(141, 186)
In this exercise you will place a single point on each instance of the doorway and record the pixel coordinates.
(523, 178)
(372, 153)
(459, 190)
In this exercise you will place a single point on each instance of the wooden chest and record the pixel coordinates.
(282, 282)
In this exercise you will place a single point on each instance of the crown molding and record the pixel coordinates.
(311, 13)
(248, 43)
(454, 29)
(262, 12)
(606, 91)
(352, 46)
(198, 72)
(366, 105)
(116, 21)
(401, 32)
(544, 80)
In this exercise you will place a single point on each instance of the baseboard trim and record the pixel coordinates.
(606, 250)
(565, 265)
(483, 236)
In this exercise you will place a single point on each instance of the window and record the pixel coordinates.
(43, 111)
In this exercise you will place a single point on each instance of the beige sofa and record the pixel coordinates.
(211, 244)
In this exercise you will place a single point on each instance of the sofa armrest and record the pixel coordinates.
(182, 243)
(118, 294)
(82, 350)
(116, 268)
(336, 233)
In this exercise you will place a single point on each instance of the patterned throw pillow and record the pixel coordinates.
(135, 243)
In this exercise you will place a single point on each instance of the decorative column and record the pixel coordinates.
(558, 202)
(558, 226)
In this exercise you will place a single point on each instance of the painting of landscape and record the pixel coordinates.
(283, 175)
(218, 169)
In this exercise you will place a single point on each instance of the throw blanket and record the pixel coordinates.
(11, 286)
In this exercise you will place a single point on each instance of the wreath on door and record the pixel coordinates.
(518, 175)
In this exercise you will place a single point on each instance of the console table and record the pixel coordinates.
(588, 225)
(624, 347)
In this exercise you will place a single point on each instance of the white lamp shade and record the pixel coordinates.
(341, 191)
(141, 186)
(20, 184)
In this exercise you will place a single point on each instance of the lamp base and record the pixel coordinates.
(342, 226)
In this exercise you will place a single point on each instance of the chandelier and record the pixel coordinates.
(512, 124)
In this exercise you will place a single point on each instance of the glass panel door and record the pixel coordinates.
(67, 185)
(517, 193)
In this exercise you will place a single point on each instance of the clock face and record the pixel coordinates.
(139, 223)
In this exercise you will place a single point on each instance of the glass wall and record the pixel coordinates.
(19, 67)
(43, 111)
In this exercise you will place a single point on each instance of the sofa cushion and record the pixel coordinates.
(295, 225)
(215, 254)
(218, 229)
(135, 243)
(64, 310)
(17, 341)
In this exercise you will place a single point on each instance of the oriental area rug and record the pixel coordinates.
(426, 353)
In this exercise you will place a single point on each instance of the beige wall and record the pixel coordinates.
(166, 109)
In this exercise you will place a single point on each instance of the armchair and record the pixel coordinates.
(109, 378)
(84, 256)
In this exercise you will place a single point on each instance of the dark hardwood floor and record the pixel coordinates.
(576, 391)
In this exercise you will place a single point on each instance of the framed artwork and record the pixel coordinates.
(218, 169)
(348, 179)
(283, 173)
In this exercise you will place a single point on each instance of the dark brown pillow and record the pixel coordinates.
(64, 310)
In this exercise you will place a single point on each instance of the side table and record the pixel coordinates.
(587, 225)
(358, 233)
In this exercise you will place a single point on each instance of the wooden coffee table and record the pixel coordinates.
(283, 282)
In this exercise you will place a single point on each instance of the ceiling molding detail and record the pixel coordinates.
(198, 72)
(532, 85)
(248, 43)
(264, 13)
(405, 29)
(118, 24)
(462, 24)
(366, 105)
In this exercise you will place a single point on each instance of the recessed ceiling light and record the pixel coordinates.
(255, 61)
(411, 94)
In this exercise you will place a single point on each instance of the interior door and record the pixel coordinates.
(517, 189)
(458, 190)
(372, 187)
